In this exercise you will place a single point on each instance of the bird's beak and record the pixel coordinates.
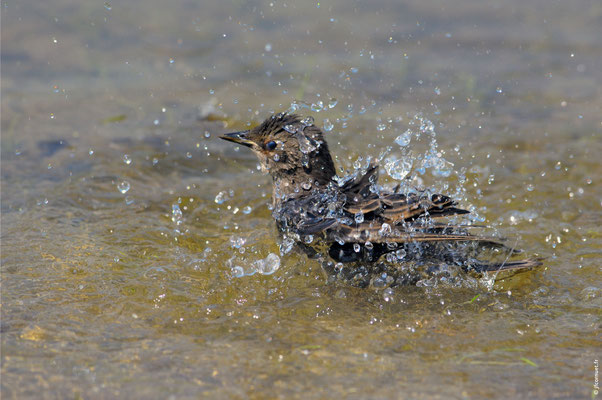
(238, 138)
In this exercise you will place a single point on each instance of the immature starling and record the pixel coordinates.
(358, 221)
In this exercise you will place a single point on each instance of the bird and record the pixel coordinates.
(356, 221)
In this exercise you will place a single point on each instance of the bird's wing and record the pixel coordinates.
(302, 215)
(392, 207)
(397, 207)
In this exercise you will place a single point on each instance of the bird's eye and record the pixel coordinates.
(271, 145)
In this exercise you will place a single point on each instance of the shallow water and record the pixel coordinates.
(123, 214)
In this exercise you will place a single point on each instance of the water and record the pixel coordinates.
(181, 285)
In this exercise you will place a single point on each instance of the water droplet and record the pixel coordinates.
(270, 265)
(381, 127)
(127, 159)
(385, 229)
(305, 145)
(268, 47)
(276, 157)
(176, 214)
(290, 128)
(328, 125)
(237, 242)
(437, 91)
(238, 272)
(211, 91)
(221, 197)
(247, 210)
(499, 90)
(357, 247)
(156, 122)
(123, 187)
(404, 139)
(368, 245)
(401, 253)
(530, 187)
(332, 103)
(308, 239)
(380, 281)
(398, 169)
(172, 60)
(287, 245)
(318, 106)
(308, 121)
(108, 6)
(306, 185)
(443, 168)
(90, 152)
(359, 217)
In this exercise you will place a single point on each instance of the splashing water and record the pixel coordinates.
(176, 214)
(398, 168)
(307, 121)
(404, 162)
(265, 266)
(404, 139)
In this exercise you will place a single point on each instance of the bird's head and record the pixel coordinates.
(289, 148)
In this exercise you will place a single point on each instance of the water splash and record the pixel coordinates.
(307, 121)
(265, 266)
(176, 214)
(398, 168)
(404, 139)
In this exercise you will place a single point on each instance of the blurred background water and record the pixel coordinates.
(124, 217)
